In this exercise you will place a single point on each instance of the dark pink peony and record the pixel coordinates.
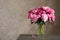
(34, 15)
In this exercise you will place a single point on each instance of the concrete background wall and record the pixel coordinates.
(13, 18)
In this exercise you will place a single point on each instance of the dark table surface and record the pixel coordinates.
(36, 37)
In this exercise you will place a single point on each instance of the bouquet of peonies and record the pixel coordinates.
(41, 15)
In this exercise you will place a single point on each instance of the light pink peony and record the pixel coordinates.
(51, 17)
(48, 10)
(44, 17)
(50, 13)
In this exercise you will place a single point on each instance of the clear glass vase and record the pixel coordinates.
(41, 30)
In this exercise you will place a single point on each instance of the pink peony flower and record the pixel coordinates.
(50, 13)
(44, 17)
(33, 15)
(44, 13)
(51, 17)
(49, 10)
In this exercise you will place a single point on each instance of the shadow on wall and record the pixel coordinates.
(56, 25)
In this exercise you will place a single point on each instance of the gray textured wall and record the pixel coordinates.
(13, 18)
